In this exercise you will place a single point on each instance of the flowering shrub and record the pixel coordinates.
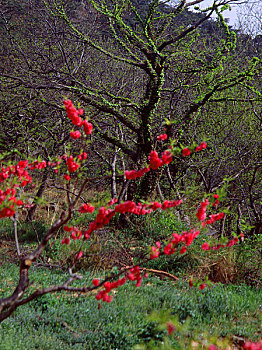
(13, 177)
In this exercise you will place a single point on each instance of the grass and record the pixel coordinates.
(62, 321)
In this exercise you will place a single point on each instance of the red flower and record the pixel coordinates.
(86, 208)
(72, 165)
(203, 145)
(154, 160)
(133, 174)
(75, 134)
(155, 206)
(76, 234)
(201, 213)
(79, 255)
(212, 347)
(169, 250)
(22, 163)
(154, 253)
(166, 157)
(183, 250)
(170, 327)
(73, 113)
(88, 127)
(205, 246)
(162, 137)
(67, 177)
(95, 282)
(65, 241)
(186, 152)
(84, 155)
(253, 346)
(202, 286)
(128, 206)
(7, 212)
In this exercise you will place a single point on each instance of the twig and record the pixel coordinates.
(14, 219)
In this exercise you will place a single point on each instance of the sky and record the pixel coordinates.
(232, 15)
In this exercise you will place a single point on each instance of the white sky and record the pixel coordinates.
(232, 15)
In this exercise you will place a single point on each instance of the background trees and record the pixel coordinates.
(137, 68)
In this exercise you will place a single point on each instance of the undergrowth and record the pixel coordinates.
(62, 321)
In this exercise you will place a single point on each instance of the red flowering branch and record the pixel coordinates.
(16, 176)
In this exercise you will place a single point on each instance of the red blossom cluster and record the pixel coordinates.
(186, 151)
(37, 165)
(214, 218)
(72, 165)
(75, 234)
(155, 162)
(112, 201)
(133, 174)
(16, 170)
(187, 238)
(108, 286)
(142, 209)
(201, 213)
(216, 202)
(66, 240)
(17, 176)
(74, 115)
(82, 156)
(75, 134)
(86, 208)
(105, 215)
(170, 327)
(155, 251)
(133, 208)
(134, 274)
(170, 204)
(67, 177)
(253, 346)
(88, 127)
(162, 137)
(202, 146)
(247, 346)
(232, 242)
